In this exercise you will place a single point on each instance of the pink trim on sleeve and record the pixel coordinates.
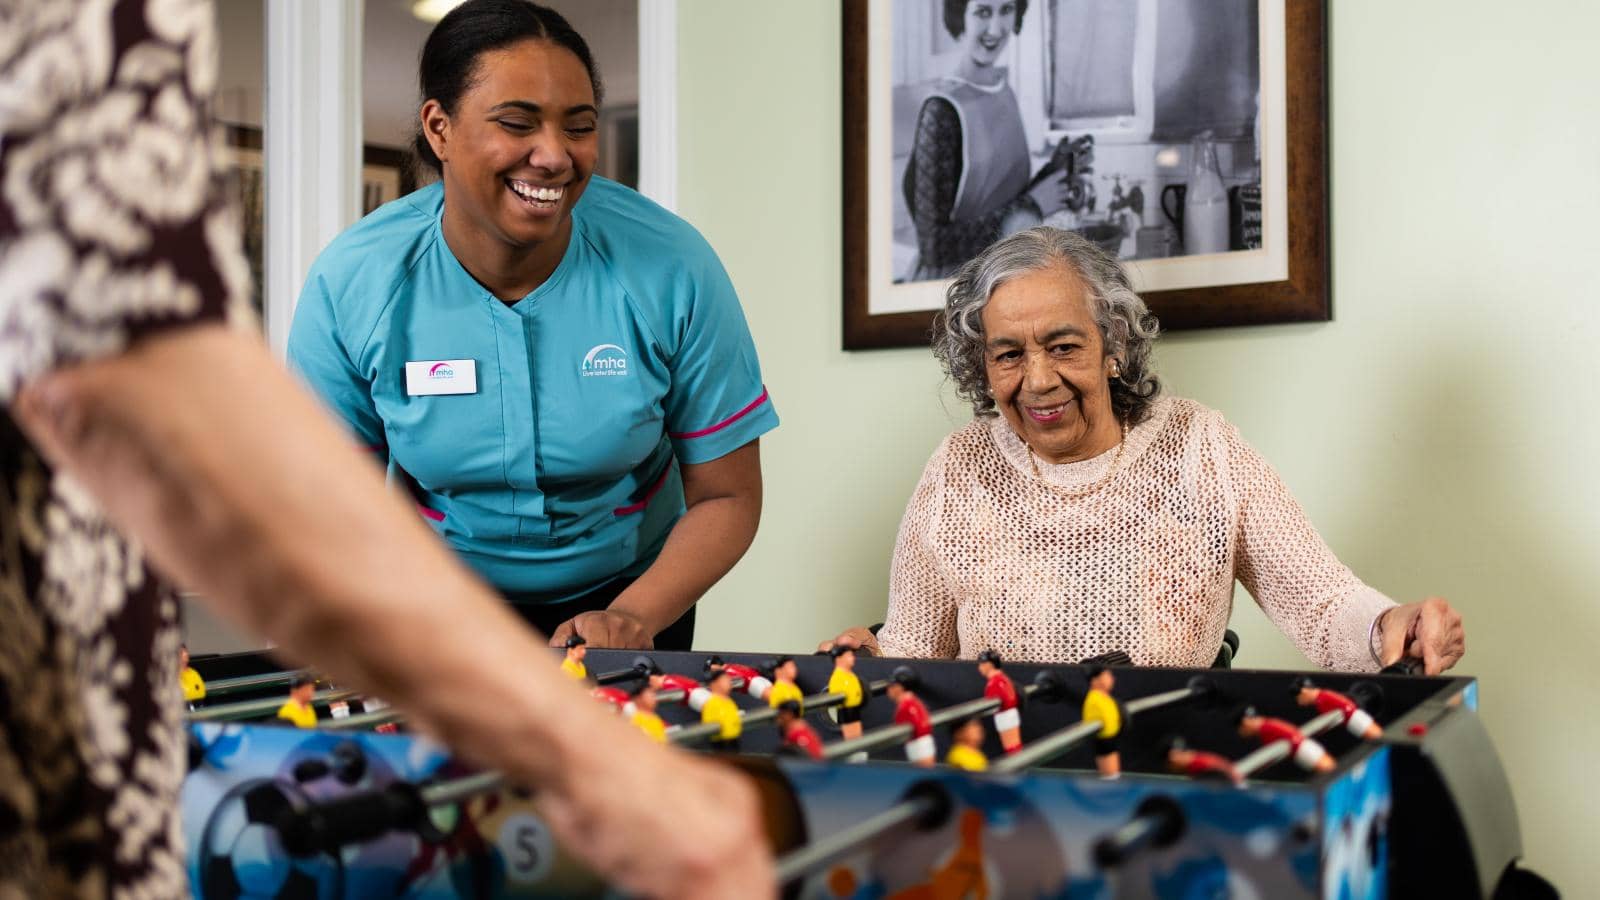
(725, 422)
(427, 513)
(655, 489)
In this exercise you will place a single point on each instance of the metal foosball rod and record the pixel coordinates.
(891, 734)
(1158, 822)
(1053, 745)
(364, 721)
(1277, 751)
(252, 709)
(692, 734)
(224, 686)
(925, 806)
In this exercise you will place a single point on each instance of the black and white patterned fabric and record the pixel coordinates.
(113, 225)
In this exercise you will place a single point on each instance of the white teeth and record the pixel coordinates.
(529, 192)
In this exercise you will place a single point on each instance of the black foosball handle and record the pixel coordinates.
(1406, 666)
(326, 827)
(1157, 823)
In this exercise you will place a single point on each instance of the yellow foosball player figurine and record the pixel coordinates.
(194, 687)
(297, 710)
(572, 663)
(966, 746)
(784, 688)
(845, 681)
(1100, 706)
(644, 712)
(721, 709)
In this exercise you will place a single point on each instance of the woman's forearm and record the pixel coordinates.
(237, 485)
(704, 545)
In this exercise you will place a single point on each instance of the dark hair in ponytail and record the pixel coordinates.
(450, 56)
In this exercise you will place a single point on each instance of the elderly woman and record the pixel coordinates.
(1083, 511)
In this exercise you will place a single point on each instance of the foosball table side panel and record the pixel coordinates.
(1033, 836)
(494, 845)
(1357, 809)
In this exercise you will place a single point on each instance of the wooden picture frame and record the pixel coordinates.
(1292, 148)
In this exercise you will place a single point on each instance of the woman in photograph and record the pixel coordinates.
(1082, 511)
(967, 182)
(557, 368)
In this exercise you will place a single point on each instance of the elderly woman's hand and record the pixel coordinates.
(1430, 631)
(860, 638)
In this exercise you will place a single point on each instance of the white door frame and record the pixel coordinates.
(312, 137)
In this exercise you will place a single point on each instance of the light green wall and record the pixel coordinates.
(1440, 431)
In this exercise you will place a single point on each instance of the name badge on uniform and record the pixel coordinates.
(429, 377)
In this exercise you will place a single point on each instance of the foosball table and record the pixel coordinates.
(1126, 782)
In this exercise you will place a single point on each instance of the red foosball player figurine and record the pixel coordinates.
(966, 746)
(1008, 720)
(694, 693)
(643, 703)
(909, 710)
(798, 737)
(572, 663)
(784, 688)
(194, 687)
(619, 699)
(1308, 754)
(755, 684)
(721, 709)
(1199, 763)
(1356, 719)
(845, 681)
(297, 710)
(1100, 706)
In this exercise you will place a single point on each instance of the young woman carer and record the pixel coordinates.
(557, 368)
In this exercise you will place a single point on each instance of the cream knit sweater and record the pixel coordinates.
(1144, 561)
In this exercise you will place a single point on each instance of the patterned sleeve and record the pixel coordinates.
(932, 179)
(1304, 589)
(921, 623)
(113, 218)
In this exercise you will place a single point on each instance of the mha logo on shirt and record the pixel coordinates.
(604, 360)
(441, 371)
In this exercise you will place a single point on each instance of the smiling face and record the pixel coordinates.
(1046, 365)
(521, 145)
(989, 24)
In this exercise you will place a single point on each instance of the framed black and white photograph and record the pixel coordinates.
(1186, 138)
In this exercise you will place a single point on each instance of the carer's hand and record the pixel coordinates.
(859, 638)
(606, 628)
(1430, 631)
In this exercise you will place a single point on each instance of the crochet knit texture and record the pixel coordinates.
(1141, 559)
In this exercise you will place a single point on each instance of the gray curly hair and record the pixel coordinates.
(1127, 328)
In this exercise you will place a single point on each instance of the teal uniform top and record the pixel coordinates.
(542, 439)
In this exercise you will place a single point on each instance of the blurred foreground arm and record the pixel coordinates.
(201, 447)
